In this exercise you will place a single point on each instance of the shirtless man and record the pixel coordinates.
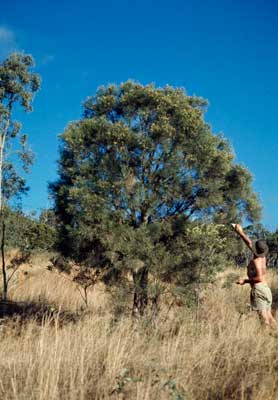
(260, 296)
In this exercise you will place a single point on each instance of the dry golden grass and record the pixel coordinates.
(219, 352)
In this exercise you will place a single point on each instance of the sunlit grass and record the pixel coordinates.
(219, 352)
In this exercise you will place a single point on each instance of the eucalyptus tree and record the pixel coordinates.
(18, 85)
(141, 158)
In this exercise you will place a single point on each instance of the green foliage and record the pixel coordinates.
(17, 83)
(142, 155)
(200, 250)
(258, 231)
(133, 176)
(27, 233)
(195, 254)
(17, 87)
(272, 241)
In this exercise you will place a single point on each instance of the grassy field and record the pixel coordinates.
(219, 352)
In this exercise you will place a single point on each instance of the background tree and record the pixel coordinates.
(258, 231)
(272, 241)
(29, 232)
(17, 87)
(139, 160)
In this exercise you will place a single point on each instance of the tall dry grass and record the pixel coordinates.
(219, 352)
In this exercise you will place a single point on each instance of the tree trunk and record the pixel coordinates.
(4, 272)
(2, 217)
(140, 299)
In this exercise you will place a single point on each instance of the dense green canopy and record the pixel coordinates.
(138, 167)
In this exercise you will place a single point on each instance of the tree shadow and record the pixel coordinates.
(37, 311)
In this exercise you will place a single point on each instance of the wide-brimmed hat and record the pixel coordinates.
(260, 248)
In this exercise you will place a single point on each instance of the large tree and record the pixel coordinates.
(141, 158)
(17, 86)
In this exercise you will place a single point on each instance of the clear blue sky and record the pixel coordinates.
(225, 51)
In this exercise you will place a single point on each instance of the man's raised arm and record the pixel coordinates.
(245, 238)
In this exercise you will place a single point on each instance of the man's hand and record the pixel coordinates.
(239, 230)
(241, 281)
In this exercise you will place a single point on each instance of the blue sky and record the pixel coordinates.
(225, 51)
